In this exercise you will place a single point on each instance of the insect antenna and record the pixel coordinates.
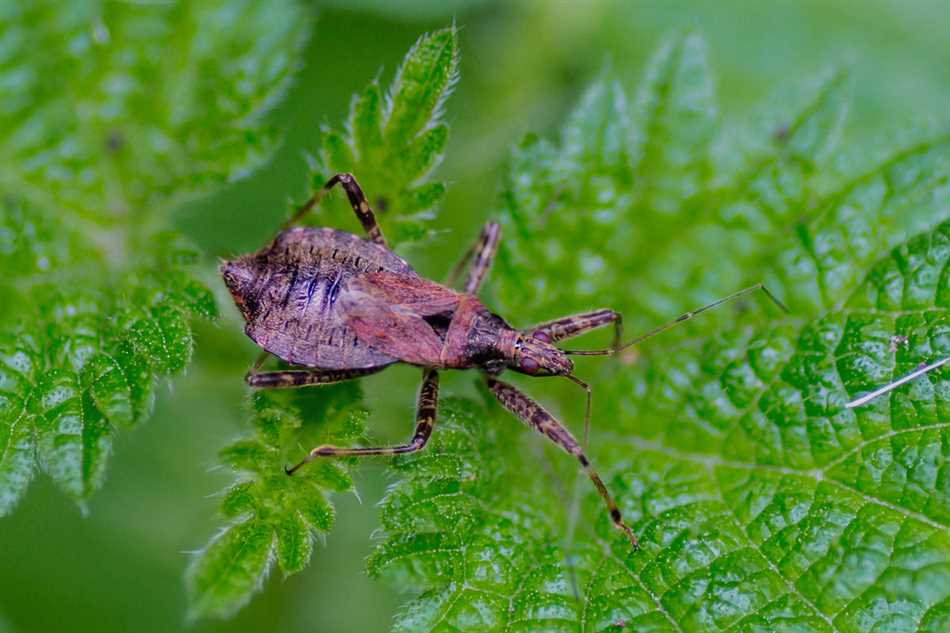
(686, 316)
(586, 387)
(891, 386)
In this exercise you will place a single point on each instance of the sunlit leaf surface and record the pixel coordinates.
(761, 502)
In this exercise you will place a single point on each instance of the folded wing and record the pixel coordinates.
(389, 311)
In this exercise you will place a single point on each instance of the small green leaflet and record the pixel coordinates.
(78, 359)
(274, 516)
(393, 141)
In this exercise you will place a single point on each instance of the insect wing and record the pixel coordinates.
(386, 312)
(407, 292)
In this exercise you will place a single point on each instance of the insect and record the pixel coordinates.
(340, 307)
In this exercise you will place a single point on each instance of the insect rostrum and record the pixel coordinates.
(341, 307)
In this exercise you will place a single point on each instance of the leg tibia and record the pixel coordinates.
(357, 200)
(534, 415)
(425, 419)
(571, 326)
(483, 250)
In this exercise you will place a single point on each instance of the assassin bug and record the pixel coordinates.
(341, 307)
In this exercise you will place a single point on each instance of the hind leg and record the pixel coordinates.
(357, 200)
(287, 378)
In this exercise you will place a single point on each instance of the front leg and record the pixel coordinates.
(569, 327)
(425, 420)
(534, 415)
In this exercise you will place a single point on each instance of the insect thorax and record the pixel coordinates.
(475, 337)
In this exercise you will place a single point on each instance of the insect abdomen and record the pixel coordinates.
(299, 280)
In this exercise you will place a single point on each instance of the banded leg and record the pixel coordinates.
(483, 250)
(284, 379)
(425, 419)
(580, 327)
(357, 200)
(534, 415)
(568, 327)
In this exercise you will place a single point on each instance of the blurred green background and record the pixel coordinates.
(524, 64)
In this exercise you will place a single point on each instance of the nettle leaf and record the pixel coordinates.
(274, 517)
(149, 101)
(665, 217)
(110, 113)
(393, 140)
(838, 515)
(81, 358)
(760, 500)
(480, 549)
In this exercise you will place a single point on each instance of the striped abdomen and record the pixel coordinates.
(288, 294)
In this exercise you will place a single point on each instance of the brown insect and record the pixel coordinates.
(342, 307)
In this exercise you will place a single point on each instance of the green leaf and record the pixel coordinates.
(149, 103)
(833, 507)
(647, 224)
(270, 511)
(758, 498)
(81, 356)
(391, 142)
(231, 568)
(676, 119)
(761, 501)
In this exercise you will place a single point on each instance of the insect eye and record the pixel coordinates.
(529, 365)
(542, 336)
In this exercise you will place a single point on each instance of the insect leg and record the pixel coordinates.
(568, 327)
(283, 379)
(686, 316)
(534, 415)
(425, 419)
(587, 408)
(483, 250)
(357, 200)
